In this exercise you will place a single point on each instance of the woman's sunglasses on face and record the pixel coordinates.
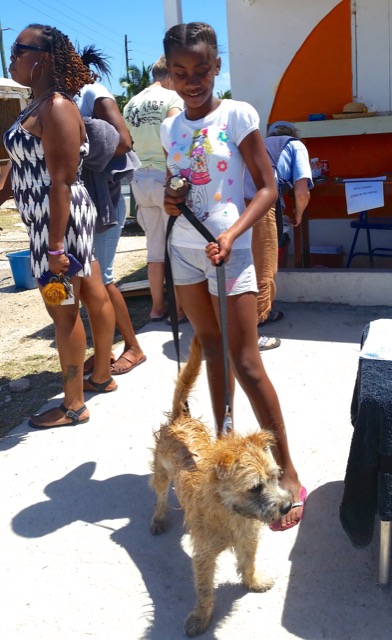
(17, 48)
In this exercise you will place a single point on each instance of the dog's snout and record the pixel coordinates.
(285, 507)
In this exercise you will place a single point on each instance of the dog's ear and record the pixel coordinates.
(224, 465)
(262, 439)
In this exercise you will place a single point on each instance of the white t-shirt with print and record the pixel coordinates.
(206, 152)
(143, 115)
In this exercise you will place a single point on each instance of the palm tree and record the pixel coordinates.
(224, 95)
(121, 101)
(136, 79)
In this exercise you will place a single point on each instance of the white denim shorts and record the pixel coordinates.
(191, 266)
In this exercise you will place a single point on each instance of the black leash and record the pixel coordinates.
(227, 426)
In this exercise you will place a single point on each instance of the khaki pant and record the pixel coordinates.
(265, 258)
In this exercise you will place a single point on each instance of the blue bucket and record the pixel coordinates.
(21, 270)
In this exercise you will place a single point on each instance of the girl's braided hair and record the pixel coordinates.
(69, 72)
(184, 35)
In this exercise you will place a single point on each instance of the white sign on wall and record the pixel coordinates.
(362, 195)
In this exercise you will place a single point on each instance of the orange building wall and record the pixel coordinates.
(319, 77)
(319, 80)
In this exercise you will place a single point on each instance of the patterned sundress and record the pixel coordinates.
(31, 186)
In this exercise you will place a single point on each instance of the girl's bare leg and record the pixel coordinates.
(196, 302)
(202, 310)
(249, 370)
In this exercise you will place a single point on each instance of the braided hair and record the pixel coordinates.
(69, 72)
(90, 55)
(185, 35)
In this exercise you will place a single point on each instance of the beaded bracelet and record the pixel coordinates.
(59, 252)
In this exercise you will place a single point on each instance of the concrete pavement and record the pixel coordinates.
(77, 557)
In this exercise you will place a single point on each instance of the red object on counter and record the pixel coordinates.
(324, 167)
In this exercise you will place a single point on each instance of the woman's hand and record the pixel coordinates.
(59, 264)
(221, 249)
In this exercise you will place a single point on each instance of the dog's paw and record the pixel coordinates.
(157, 526)
(260, 583)
(195, 624)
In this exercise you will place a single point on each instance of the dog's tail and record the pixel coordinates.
(186, 381)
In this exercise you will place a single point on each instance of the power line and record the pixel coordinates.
(147, 46)
(80, 23)
(89, 18)
(78, 29)
(63, 23)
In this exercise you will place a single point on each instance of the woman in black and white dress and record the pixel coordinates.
(46, 146)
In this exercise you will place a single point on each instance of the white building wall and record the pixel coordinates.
(372, 53)
(263, 38)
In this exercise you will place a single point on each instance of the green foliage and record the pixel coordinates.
(136, 79)
(225, 95)
(121, 101)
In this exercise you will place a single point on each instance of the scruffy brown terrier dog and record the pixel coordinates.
(227, 488)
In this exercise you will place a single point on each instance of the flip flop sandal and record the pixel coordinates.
(273, 316)
(70, 413)
(132, 364)
(263, 343)
(98, 387)
(276, 526)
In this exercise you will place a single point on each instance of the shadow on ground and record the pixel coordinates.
(319, 321)
(164, 566)
(44, 386)
(321, 601)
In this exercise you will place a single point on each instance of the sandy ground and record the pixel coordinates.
(27, 340)
(24, 319)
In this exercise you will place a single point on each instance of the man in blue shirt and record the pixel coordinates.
(290, 161)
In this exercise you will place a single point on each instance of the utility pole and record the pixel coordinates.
(3, 62)
(126, 59)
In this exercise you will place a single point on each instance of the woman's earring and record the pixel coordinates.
(32, 71)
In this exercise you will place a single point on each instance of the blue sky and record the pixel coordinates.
(105, 24)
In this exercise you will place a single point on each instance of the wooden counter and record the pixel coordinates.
(331, 193)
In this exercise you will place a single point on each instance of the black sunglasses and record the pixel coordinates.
(17, 47)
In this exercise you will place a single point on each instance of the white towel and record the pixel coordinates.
(378, 344)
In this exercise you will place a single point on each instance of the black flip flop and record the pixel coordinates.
(98, 387)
